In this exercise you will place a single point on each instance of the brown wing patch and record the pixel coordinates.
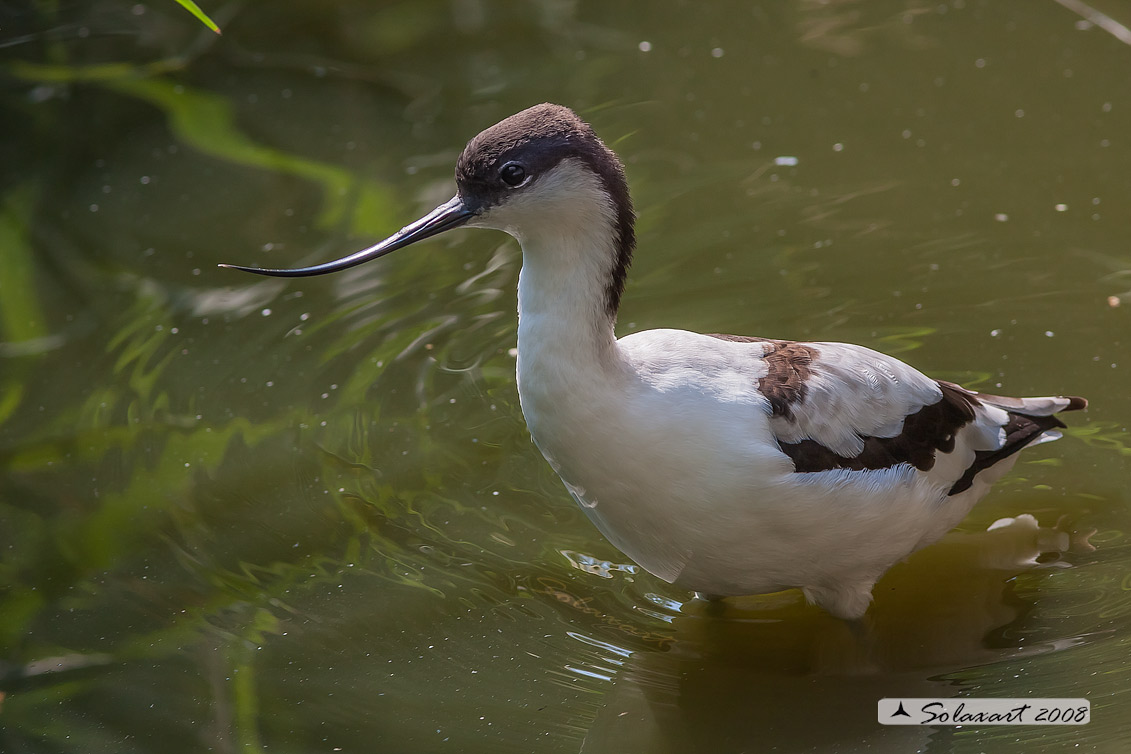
(926, 432)
(789, 366)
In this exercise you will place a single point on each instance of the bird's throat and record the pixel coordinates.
(568, 357)
(563, 312)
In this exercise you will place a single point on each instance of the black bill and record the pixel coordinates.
(451, 214)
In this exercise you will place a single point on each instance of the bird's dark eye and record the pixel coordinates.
(513, 174)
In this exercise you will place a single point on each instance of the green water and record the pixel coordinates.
(241, 514)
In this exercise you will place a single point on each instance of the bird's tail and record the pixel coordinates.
(1030, 421)
(1046, 406)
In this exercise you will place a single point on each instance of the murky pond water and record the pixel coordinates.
(241, 514)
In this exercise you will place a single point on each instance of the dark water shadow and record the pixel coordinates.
(772, 674)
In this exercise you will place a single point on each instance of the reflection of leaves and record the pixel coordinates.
(907, 340)
(1101, 434)
(21, 320)
(206, 122)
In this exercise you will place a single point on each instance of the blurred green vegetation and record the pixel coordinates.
(130, 510)
(233, 512)
(194, 9)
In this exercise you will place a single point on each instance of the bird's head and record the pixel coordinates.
(541, 172)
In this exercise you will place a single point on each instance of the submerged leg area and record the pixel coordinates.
(846, 601)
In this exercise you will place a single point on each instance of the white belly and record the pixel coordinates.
(696, 492)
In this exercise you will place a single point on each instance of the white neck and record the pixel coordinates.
(564, 322)
(567, 353)
(568, 359)
(566, 223)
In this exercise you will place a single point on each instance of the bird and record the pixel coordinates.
(725, 465)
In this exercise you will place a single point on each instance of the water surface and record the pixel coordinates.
(306, 515)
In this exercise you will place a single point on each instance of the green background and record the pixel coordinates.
(240, 514)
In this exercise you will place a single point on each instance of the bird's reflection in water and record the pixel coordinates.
(770, 673)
